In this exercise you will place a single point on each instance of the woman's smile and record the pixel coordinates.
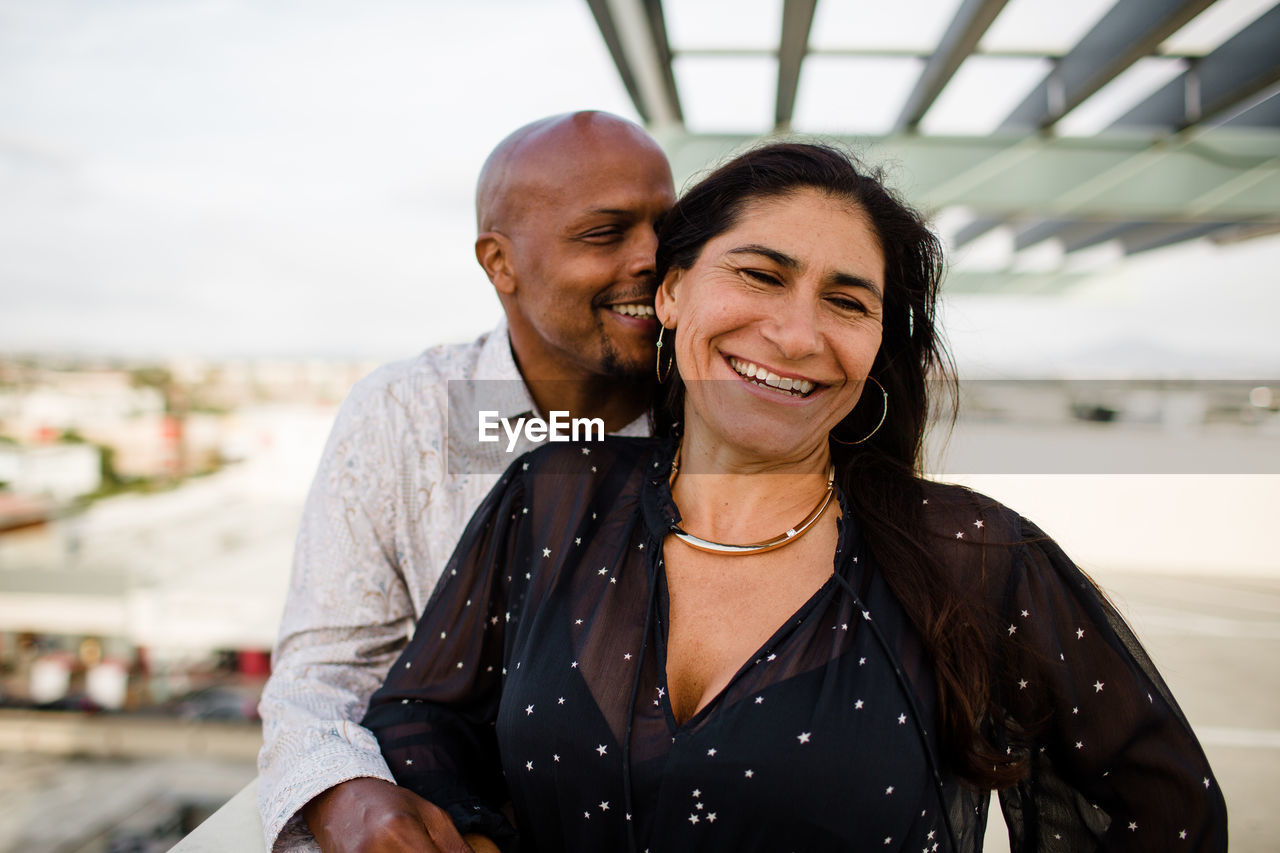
(759, 375)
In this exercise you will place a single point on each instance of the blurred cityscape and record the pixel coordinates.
(147, 514)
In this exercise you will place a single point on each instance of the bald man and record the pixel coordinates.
(567, 209)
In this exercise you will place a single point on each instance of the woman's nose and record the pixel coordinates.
(794, 329)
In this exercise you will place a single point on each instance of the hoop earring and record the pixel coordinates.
(670, 361)
(884, 414)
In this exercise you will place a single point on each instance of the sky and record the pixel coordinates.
(238, 178)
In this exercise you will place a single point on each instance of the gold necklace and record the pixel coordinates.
(778, 541)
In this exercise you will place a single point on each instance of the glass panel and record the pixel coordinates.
(840, 94)
(903, 25)
(727, 94)
(1119, 96)
(1043, 26)
(982, 94)
(1206, 31)
(721, 24)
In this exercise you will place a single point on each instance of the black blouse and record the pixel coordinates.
(536, 675)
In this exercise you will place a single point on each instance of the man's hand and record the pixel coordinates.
(368, 815)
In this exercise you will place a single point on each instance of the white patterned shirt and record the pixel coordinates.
(393, 493)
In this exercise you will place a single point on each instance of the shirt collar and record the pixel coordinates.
(507, 392)
(510, 397)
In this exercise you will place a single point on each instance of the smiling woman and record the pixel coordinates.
(777, 325)
(763, 630)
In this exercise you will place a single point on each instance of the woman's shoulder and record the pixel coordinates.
(961, 514)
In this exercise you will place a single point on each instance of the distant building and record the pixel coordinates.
(58, 471)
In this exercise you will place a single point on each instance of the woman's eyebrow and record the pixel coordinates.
(850, 280)
(785, 260)
(772, 254)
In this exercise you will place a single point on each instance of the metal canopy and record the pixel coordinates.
(1131, 30)
(1196, 156)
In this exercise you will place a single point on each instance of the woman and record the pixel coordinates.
(764, 631)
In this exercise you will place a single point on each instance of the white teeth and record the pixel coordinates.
(795, 387)
(634, 310)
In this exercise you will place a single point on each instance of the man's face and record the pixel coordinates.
(583, 253)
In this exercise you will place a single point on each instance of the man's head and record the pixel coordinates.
(567, 209)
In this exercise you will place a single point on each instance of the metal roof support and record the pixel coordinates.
(1038, 231)
(949, 191)
(1224, 192)
(1240, 68)
(1265, 112)
(975, 229)
(636, 34)
(962, 36)
(1082, 235)
(797, 20)
(1131, 30)
(1143, 238)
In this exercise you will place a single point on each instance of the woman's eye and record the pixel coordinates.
(762, 277)
(844, 303)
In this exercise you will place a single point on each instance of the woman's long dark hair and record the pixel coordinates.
(881, 477)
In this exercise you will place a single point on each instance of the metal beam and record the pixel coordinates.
(975, 229)
(636, 35)
(1238, 69)
(1082, 235)
(609, 32)
(1156, 235)
(1131, 30)
(967, 28)
(657, 22)
(1036, 232)
(1263, 114)
(797, 20)
(1198, 175)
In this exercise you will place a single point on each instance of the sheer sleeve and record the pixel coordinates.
(434, 715)
(1114, 763)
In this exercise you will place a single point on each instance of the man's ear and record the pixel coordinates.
(664, 301)
(493, 251)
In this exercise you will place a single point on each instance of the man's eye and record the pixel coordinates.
(601, 235)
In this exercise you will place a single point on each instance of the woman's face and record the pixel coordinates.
(777, 324)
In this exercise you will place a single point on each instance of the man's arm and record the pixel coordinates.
(346, 618)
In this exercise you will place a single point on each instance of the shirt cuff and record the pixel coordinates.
(281, 799)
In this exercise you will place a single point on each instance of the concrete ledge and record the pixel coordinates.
(234, 828)
(106, 736)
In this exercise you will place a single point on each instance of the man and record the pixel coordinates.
(567, 209)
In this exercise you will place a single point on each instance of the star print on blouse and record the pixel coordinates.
(618, 622)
